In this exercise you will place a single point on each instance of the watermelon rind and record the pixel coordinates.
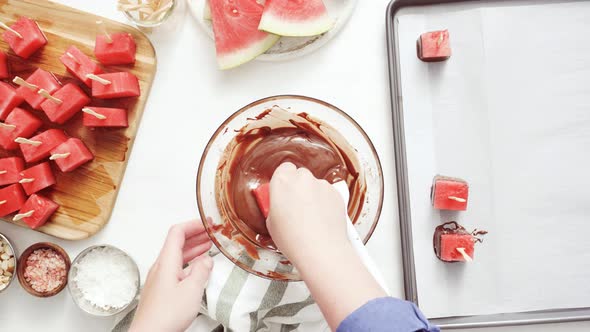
(280, 26)
(239, 57)
(207, 11)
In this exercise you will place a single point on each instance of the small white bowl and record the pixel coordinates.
(4, 239)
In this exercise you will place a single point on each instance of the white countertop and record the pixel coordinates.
(349, 72)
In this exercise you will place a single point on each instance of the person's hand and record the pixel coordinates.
(171, 297)
(306, 214)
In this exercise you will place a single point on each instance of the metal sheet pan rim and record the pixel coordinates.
(410, 285)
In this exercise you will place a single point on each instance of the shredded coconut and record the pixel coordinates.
(107, 278)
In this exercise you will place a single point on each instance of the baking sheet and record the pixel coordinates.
(510, 113)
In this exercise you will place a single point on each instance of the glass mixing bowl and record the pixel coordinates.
(272, 264)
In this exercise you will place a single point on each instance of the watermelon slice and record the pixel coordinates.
(262, 194)
(237, 38)
(296, 18)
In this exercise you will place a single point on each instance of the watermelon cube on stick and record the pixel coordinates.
(449, 193)
(65, 103)
(37, 178)
(71, 154)
(19, 123)
(115, 48)
(104, 117)
(4, 73)
(452, 242)
(29, 89)
(36, 211)
(24, 37)
(12, 199)
(79, 64)
(10, 169)
(39, 147)
(262, 195)
(237, 37)
(115, 85)
(9, 99)
(434, 46)
(296, 18)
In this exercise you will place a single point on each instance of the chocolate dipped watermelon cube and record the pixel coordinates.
(4, 73)
(104, 117)
(39, 147)
(12, 199)
(115, 49)
(262, 195)
(36, 211)
(452, 243)
(115, 85)
(71, 154)
(449, 193)
(40, 79)
(434, 46)
(10, 169)
(71, 98)
(79, 64)
(9, 99)
(24, 37)
(37, 178)
(19, 123)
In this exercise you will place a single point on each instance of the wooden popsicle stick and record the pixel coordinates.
(20, 216)
(26, 180)
(73, 58)
(103, 29)
(46, 94)
(11, 30)
(98, 79)
(93, 113)
(22, 140)
(464, 254)
(458, 199)
(440, 39)
(7, 126)
(130, 7)
(3, 171)
(2, 202)
(59, 156)
(19, 81)
(160, 11)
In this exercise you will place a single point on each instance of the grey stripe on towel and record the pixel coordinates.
(231, 290)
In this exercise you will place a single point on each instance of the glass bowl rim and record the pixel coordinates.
(245, 108)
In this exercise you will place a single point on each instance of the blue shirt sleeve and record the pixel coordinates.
(387, 314)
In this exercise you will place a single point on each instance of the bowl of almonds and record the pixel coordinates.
(7, 263)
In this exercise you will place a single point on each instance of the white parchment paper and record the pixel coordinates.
(509, 113)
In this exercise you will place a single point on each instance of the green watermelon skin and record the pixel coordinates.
(296, 18)
(235, 26)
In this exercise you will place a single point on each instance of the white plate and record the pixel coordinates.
(289, 47)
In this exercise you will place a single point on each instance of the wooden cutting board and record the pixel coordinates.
(87, 195)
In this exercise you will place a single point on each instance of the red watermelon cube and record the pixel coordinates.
(434, 46)
(24, 124)
(262, 195)
(10, 169)
(12, 199)
(36, 211)
(9, 99)
(119, 51)
(42, 80)
(449, 193)
(122, 84)
(4, 66)
(451, 244)
(37, 178)
(79, 64)
(30, 40)
(40, 146)
(71, 154)
(104, 117)
(73, 99)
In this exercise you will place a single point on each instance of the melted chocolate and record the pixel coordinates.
(273, 137)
